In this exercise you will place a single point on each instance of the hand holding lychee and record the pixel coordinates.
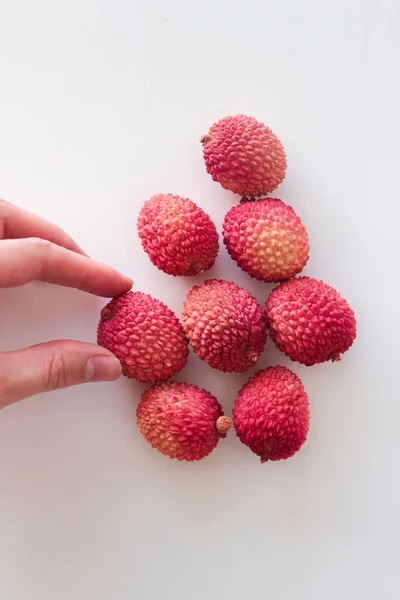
(144, 335)
(308, 320)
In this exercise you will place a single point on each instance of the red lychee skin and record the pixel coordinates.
(244, 156)
(267, 239)
(271, 414)
(309, 321)
(181, 420)
(145, 335)
(225, 325)
(178, 235)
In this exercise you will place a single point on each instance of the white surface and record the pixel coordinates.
(101, 106)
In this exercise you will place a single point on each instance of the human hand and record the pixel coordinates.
(32, 249)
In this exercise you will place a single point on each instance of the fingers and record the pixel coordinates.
(52, 366)
(18, 223)
(34, 259)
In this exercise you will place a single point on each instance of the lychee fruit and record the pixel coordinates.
(181, 420)
(244, 156)
(266, 238)
(179, 237)
(309, 321)
(145, 335)
(225, 325)
(271, 414)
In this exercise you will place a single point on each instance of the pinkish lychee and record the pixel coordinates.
(310, 321)
(271, 414)
(225, 325)
(145, 335)
(244, 156)
(266, 238)
(181, 420)
(178, 236)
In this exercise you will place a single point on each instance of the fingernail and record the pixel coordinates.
(129, 282)
(103, 368)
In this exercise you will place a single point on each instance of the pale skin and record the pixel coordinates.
(33, 249)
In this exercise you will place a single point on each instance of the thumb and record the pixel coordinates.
(52, 366)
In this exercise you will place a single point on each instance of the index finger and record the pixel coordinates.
(32, 259)
(17, 223)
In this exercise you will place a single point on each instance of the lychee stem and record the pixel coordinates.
(245, 199)
(205, 139)
(264, 457)
(223, 425)
(197, 267)
(253, 357)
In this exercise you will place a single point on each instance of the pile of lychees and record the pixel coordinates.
(307, 319)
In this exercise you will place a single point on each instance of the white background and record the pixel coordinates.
(101, 106)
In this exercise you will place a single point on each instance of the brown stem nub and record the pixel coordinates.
(223, 425)
(252, 355)
(205, 139)
(197, 267)
(106, 314)
(246, 199)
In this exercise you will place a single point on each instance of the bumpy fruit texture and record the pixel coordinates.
(225, 325)
(178, 236)
(272, 415)
(244, 156)
(181, 421)
(267, 239)
(309, 321)
(145, 335)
